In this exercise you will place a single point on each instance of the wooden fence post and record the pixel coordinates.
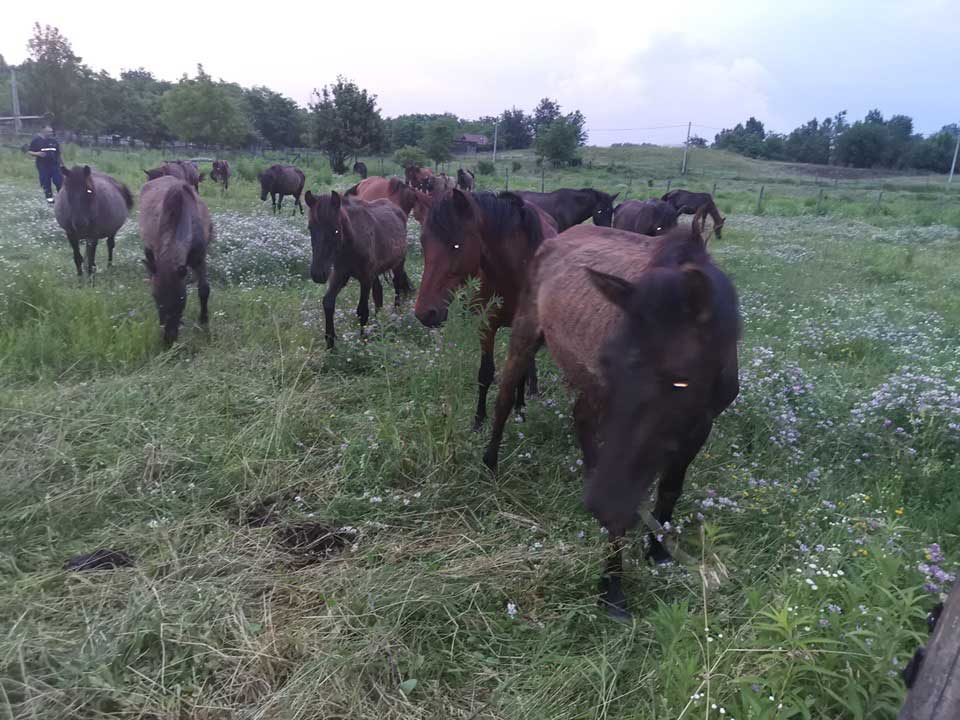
(668, 184)
(820, 201)
(879, 199)
(506, 174)
(542, 179)
(714, 188)
(760, 201)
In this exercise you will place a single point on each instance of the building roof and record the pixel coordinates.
(471, 138)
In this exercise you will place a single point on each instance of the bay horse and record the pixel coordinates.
(466, 180)
(357, 239)
(183, 169)
(646, 217)
(360, 168)
(419, 178)
(483, 235)
(572, 207)
(176, 230)
(221, 173)
(91, 206)
(397, 192)
(281, 180)
(646, 336)
(688, 203)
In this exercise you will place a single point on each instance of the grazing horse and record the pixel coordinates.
(646, 217)
(91, 206)
(688, 203)
(221, 173)
(646, 335)
(397, 192)
(571, 207)
(466, 180)
(360, 168)
(183, 169)
(489, 236)
(419, 178)
(357, 239)
(176, 231)
(282, 180)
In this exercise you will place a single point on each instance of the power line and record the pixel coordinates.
(655, 127)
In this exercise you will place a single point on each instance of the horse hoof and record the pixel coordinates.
(658, 555)
(490, 460)
(477, 425)
(616, 607)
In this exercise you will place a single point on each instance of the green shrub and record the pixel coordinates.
(410, 156)
(485, 167)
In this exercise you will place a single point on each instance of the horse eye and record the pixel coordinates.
(89, 191)
(456, 247)
(681, 384)
(659, 228)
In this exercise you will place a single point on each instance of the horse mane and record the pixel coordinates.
(396, 185)
(500, 214)
(683, 245)
(176, 216)
(352, 191)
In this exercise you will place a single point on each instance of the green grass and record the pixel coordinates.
(806, 498)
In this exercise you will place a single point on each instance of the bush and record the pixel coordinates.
(410, 156)
(517, 166)
(485, 167)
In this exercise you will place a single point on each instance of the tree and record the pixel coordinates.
(275, 118)
(410, 156)
(346, 122)
(141, 110)
(204, 112)
(746, 139)
(516, 130)
(51, 77)
(577, 119)
(559, 141)
(864, 145)
(697, 141)
(438, 140)
(544, 114)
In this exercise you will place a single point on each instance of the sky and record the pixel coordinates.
(631, 67)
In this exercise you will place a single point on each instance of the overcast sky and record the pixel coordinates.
(628, 66)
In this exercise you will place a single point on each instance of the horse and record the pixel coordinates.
(571, 207)
(688, 203)
(397, 192)
(282, 180)
(646, 335)
(419, 178)
(176, 230)
(357, 239)
(489, 236)
(221, 173)
(360, 168)
(646, 217)
(91, 206)
(466, 180)
(183, 169)
(441, 185)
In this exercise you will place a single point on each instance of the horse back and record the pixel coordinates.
(379, 230)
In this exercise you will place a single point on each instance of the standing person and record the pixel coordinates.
(46, 149)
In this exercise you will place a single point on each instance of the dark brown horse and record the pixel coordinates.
(397, 192)
(221, 173)
(466, 180)
(419, 178)
(357, 239)
(176, 231)
(487, 236)
(360, 168)
(646, 335)
(646, 217)
(90, 206)
(281, 180)
(183, 169)
(688, 203)
(571, 207)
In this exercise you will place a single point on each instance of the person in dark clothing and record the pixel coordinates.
(46, 149)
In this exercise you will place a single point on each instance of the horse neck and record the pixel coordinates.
(713, 212)
(584, 207)
(504, 259)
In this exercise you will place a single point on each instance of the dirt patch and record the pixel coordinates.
(313, 542)
(99, 560)
(267, 511)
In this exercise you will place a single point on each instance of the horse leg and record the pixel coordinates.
(612, 597)
(363, 307)
(401, 284)
(77, 257)
(671, 484)
(203, 290)
(533, 387)
(334, 286)
(525, 340)
(377, 294)
(298, 204)
(111, 243)
(487, 370)
(91, 257)
(280, 203)
(584, 422)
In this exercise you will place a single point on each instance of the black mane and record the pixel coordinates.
(500, 214)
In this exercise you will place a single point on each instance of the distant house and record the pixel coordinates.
(468, 143)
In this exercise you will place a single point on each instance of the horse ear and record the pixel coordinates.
(614, 197)
(335, 198)
(461, 203)
(310, 199)
(86, 171)
(147, 173)
(699, 292)
(615, 289)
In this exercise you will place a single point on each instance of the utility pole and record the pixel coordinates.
(496, 129)
(953, 165)
(686, 146)
(16, 101)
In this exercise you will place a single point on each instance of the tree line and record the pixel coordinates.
(874, 142)
(342, 119)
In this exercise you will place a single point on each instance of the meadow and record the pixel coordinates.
(315, 535)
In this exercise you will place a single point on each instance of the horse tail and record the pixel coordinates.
(666, 196)
(127, 197)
